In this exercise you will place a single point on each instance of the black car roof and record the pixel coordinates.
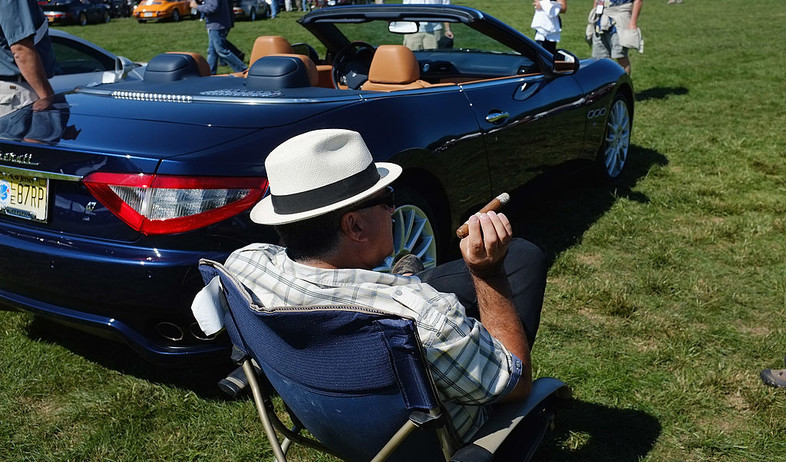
(363, 13)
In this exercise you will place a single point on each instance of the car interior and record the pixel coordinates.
(277, 64)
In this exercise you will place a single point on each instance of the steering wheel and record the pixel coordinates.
(351, 65)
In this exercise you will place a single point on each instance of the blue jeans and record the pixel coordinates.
(273, 8)
(217, 48)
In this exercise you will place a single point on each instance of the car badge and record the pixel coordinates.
(21, 159)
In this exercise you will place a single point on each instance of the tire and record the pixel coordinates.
(82, 19)
(413, 233)
(176, 15)
(252, 15)
(613, 152)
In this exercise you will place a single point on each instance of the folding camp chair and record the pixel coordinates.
(358, 381)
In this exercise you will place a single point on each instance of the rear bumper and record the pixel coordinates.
(114, 329)
(141, 296)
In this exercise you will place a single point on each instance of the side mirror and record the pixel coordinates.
(564, 63)
(123, 66)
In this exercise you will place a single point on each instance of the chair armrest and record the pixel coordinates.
(547, 392)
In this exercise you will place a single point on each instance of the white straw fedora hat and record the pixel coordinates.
(318, 172)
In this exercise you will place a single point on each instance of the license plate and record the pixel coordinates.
(24, 197)
(147, 15)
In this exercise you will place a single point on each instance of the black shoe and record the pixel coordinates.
(407, 265)
(774, 377)
(234, 383)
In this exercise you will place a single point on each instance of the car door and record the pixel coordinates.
(530, 124)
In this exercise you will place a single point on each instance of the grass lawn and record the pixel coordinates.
(666, 292)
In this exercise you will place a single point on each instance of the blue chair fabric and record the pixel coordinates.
(352, 376)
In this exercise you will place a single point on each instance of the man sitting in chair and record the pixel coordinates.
(332, 205)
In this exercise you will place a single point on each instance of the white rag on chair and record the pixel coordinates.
(209, 307)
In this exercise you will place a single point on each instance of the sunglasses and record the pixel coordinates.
(388, 198)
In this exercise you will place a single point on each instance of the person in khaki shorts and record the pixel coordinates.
(615, 24)
(428, 35)
(27, 59)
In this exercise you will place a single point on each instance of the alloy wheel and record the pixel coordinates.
(412, 234)
(617, 139)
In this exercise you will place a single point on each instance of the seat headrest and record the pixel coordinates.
(394, 64)
(266, 45)
(169, 67)
(282, 71)
(202, 66)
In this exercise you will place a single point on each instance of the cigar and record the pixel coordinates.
(494, 205)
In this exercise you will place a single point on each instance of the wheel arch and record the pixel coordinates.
(428, 188)
(627, 90)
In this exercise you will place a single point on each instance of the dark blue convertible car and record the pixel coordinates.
(108, 200)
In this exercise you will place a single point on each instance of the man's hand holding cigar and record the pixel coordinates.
(486, 244)
(484, 249)
(494, 206)
(485, 238)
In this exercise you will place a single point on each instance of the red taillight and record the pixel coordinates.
(158, 204)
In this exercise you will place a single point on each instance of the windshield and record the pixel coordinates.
(464, 37)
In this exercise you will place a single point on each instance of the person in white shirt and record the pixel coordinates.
(547, 23)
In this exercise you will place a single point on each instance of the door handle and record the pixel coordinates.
(497, 117)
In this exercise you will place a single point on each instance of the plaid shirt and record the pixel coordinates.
(470, 367)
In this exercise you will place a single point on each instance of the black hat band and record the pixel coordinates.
(326, 195)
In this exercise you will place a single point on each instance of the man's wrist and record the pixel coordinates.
(487, 274)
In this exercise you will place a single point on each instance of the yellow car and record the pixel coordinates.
(156, 10)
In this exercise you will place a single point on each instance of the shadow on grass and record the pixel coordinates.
(660, 93)
(592, 432)
(200, 378)
(557, 213)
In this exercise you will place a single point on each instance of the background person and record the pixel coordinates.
(547, 23)
(219, 19)
(616, 30)
(332, 205)
(428, 35)
(27, 59)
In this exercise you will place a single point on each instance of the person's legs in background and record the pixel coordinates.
(221, 49)
(212, 56)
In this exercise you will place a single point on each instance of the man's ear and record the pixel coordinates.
(353, 226)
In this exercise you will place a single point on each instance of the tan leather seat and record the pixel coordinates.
(394, 67)
(266, 45)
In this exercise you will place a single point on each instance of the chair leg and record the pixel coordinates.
(260, 405)
(395, 441)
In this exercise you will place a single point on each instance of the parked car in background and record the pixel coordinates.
(118, 8)
(250, 9)
(103, 229)
(80, 12)
(159, 10)
(81, 63)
